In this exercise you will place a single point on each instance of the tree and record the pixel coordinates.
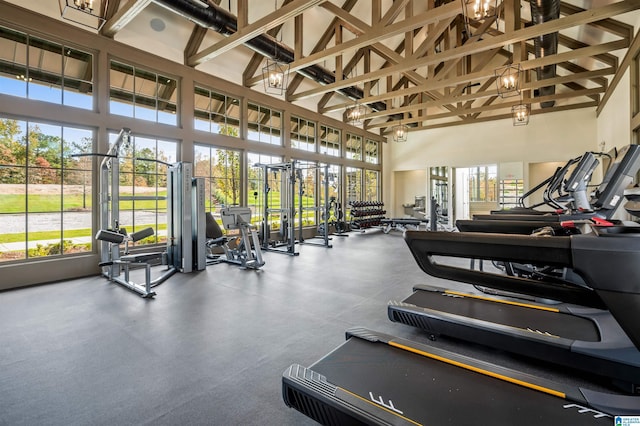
(228, 162)
(146, 170)
(12, 152)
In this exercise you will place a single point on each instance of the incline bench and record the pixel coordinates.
(402, 224)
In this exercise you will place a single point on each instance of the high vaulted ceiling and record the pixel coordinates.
(407, 60)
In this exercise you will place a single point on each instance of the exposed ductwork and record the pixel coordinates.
(545, 45)
(223, 22)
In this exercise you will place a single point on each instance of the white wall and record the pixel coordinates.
(408, 185)
(538, 172)
(613, 123)
(614, 128)
(548, 137)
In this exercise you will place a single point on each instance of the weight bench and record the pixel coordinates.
(247, 254)
(127, 261)
(403, 223)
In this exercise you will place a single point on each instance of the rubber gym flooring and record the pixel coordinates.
(211, 347)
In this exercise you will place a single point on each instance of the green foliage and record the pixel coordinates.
(41, 203)
(228, 166)
(57, 248)
(11, 151)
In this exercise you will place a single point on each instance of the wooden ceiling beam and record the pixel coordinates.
(527, 87)
(609, 25)
(498, 41)
(380, 33)
(629, 57)
(123, 16)
(254, 29)
(256, 59)
(328, 34)
(195, 40)
(590, 104)
(495, 107)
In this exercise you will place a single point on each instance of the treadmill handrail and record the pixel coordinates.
(516, 248)
(521, 227)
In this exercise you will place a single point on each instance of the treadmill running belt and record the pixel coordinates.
(402, 382)
(546, 321)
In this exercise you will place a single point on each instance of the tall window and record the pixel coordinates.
(353, 177)
(307, 194)
(303, 134)
(143, 176)
(372, 151)
(45, 192)
(333, 176)
(143, 94)
(35, 68)
(330, 141)
(265, 124)
(372, 185)
(353, 150)
(221, 170)
(216, 113)
(482, 183)
(256, 183)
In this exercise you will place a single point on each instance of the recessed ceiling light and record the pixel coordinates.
(157, 24)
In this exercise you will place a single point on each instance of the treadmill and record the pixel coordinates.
(603, 206)
(378, 379)
(558, 192)
(595, 328)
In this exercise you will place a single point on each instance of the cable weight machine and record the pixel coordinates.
(185, 223)
(285, 175)
(322, 209)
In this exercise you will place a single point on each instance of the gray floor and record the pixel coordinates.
(209, 349)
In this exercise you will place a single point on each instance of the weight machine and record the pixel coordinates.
(185, 250)
(246, 253)
(323, 209)
(285, 173)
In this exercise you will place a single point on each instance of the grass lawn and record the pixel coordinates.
(43, 203)
(53, 235)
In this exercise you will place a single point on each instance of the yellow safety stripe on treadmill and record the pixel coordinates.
(380, 406)
(506, 302)
(479, 370)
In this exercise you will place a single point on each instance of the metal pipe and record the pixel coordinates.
(547, 44)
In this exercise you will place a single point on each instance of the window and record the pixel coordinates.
(143, 174)
(334, 181)
(440, 185)
(303, 134)
(510, 192)
(371, 185)
(353, 177)
(482, 183)
(256, 183)
(307, 197)
(353, 150)
(371, 151)
(330, 141)
(221, 170)
(216, 113)
(265, 124)
(39, 69)
(45, 192)
(145, 95)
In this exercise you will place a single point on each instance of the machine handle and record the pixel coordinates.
(555, 251)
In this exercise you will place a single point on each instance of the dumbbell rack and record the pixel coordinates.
(366, 214)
